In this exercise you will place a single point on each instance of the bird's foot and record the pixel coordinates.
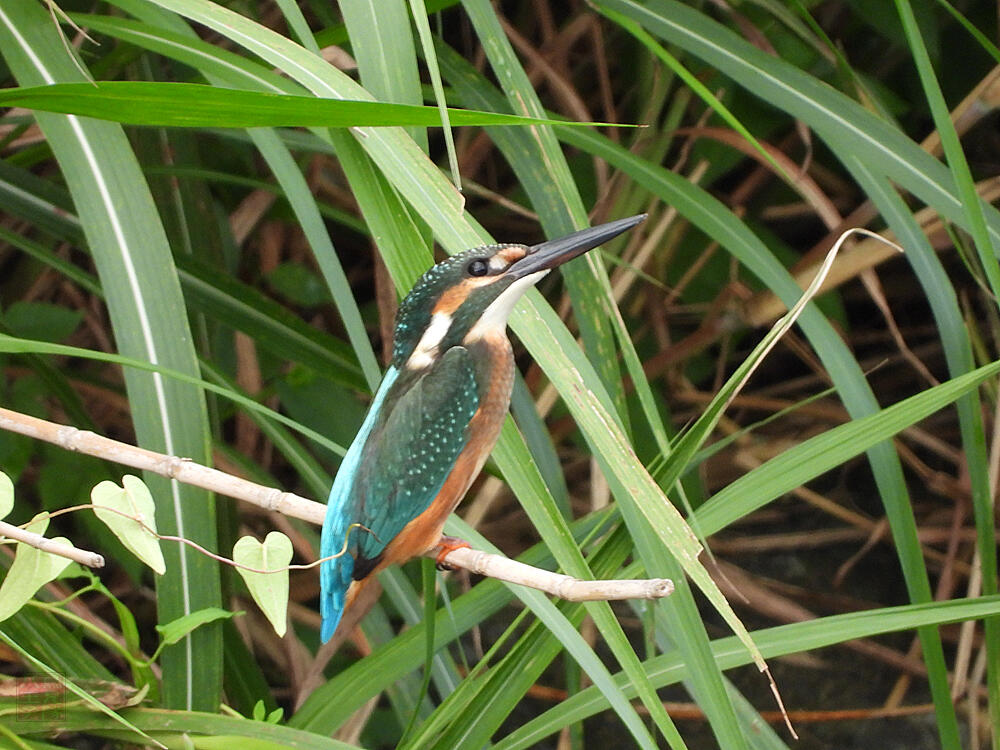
(448, 544)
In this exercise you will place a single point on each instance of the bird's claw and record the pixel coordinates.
(447, 545)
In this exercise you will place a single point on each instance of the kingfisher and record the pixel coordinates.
(436, 414)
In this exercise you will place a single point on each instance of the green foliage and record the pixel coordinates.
(260, 713)
(171, 285)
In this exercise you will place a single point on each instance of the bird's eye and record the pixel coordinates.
(478, 267)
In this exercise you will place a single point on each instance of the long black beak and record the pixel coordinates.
(554, 252)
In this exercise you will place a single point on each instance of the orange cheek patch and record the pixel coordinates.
(453, 298)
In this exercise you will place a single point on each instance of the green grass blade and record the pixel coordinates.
(774, 642)
(382, 43)
(426, 190)
(545, 175)
(418, 8)
(972, 206)
(719, 223)
(148, 315)
(193, 729)
(987, 252)
(20, 346)
(333, 702)
(428, 579)
(809, 459)
(839, 119)
(194, 105)
(958, 352)
(528, 162)
(300, 197)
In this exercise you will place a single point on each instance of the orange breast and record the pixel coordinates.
(497, 379)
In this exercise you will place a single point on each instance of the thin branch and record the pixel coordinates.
(565, 587)
(182, 469)
(289, 504)
(82, 556)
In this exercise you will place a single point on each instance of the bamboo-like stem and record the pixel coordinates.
(289, 504)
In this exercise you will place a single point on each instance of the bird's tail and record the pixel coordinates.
(343, 601)
(334, 575)
(336, 580)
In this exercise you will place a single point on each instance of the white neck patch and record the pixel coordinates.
(424, 354)
(494, 318)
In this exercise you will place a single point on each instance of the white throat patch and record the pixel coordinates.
(494, 317)
(426, 351)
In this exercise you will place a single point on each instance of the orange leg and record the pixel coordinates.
(445, 545)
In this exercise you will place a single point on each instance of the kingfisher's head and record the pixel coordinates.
(472, 293)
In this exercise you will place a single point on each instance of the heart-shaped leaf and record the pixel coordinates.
(269, 590)
(30, 570)
(133, 520)
(6, 495)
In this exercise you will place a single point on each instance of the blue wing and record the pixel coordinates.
(409, 442)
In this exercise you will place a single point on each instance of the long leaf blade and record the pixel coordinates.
(148, 314)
